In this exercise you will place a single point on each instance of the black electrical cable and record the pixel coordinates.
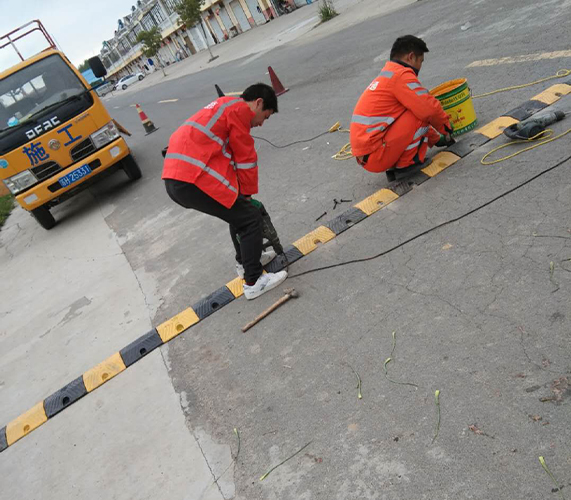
(456, 219)
(291, 143)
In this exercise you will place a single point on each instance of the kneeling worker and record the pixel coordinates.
(211, 166)
(396, 119)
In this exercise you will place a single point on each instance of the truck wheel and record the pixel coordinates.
(44, 217)
(131, 168)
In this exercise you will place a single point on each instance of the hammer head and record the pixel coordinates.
(292, 292)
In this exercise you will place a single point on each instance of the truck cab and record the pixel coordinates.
(56, 137)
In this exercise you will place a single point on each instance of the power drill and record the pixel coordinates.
(269, 232)
(534, 125)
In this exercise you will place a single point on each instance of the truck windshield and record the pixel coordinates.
(34, 88)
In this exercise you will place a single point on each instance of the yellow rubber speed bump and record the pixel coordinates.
(309, 242)
(497, 126)
(177, 324)
(236, 286)
(103, 372)
(25, 423)
(440, 162)
(376, 201)
(553, 93)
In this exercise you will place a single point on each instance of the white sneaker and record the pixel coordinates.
(265, 283)
(265, 259)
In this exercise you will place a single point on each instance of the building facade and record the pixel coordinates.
(221, 21)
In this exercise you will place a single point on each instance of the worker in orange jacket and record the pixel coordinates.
(396, 119)
(211, 166)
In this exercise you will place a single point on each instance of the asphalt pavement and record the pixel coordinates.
(479, 307)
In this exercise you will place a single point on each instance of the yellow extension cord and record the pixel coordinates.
(546, 134)
(345, 152)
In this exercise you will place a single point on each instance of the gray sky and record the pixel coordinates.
(79, 27)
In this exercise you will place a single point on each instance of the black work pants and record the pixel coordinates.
(244, 218)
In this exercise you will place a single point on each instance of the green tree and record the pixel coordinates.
(84, 66)
(151, 41)
(189, 13)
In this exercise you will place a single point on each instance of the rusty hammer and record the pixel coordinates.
(289, 294)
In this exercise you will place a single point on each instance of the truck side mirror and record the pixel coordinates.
(97, 67)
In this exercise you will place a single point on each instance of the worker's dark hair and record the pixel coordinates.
(261, 91)
(406, 44)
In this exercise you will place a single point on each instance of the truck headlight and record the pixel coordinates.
(104, 135)
(21, 181)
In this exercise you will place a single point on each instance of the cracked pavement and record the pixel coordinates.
(480, 307)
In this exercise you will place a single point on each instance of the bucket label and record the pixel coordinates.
(455, 99)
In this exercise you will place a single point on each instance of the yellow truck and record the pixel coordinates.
(56, 137)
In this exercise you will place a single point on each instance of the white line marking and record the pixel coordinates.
(168, 100)
(520, 59)
(132, 105)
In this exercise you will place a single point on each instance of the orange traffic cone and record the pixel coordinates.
(276, 84)
(147, 124)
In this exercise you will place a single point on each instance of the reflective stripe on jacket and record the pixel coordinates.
(214, 150)
(394, 91)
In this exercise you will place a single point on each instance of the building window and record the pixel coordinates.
(170, 5)
(157, 14)
(132, 38)
(148, 22)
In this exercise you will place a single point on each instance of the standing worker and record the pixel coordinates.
(396, 119)
(211, 166)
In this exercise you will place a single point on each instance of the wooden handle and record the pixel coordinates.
(269, 310)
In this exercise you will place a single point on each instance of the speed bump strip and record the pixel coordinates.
(236, 286)
(177, 324)
(140, 347)
(67, 395)
(525, 110)
(103, 372)
(213, 302)
(309, 242)
(98, 375)
(440, 162)
(376, 201)
(553, 93)
(3, 442)
(497, 126)
(346, 220)
(25, 423)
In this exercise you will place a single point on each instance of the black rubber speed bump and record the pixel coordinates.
(64, 397)
(292, 255)
(401, 187)
(346, 220)
(140, 347)
(418, 178)
(278, 264)
(467, 144)
(3, 441)
(526, 109)
(214, 301)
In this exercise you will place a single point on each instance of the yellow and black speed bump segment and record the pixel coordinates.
(115, 364)
(140, 347)
(3, 442)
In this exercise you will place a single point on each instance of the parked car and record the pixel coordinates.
(129, 80)
(104, 89)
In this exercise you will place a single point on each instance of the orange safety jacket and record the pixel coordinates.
(394, 91)
(214, 150)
